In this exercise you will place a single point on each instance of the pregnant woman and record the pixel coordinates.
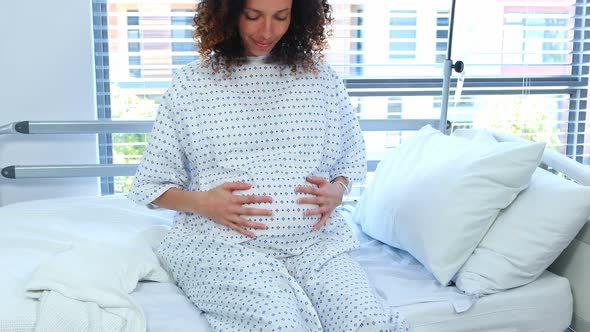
(255, 145)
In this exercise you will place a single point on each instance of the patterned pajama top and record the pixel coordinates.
(263, 125)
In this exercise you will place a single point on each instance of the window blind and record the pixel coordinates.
(526, 67)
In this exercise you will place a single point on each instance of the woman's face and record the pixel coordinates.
(262, 24)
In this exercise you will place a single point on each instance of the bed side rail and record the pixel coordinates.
(69, 171)
(113, 126)
(573, 169)
(76, 127)
(145, 126)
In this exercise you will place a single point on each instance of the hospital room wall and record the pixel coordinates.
(47, 73)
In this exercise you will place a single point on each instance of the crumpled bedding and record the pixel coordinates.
(86, 287)
(39, 241)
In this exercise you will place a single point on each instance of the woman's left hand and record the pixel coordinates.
(326, 195)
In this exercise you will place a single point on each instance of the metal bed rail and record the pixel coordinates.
(76, 127)
(113, 126)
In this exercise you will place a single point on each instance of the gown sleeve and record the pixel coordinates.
(352, 163)
(164, 163)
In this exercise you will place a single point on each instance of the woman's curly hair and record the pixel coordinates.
(219, 42)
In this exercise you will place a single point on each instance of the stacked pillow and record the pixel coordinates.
(436, 196)
(459, 205)
(527, 236)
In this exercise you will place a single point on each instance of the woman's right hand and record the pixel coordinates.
(224, 207)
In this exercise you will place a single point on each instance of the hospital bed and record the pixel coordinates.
(34, 231)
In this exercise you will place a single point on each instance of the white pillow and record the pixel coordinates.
(435, 196)
(527, 236)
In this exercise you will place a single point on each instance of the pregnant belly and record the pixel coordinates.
(288, 217)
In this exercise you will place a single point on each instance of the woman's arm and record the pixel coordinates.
(218, 204)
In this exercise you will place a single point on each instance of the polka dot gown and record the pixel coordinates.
(272, 128)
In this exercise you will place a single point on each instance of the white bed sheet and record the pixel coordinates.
(544, 305)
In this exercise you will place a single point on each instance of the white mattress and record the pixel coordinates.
(544, 305)
(539, 306)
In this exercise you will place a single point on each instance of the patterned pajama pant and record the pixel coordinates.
(241, 289)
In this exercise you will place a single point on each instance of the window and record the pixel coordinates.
(134, 60)
(394, 108)
(442, 35)
(182, 59)
(357, 37)
(135, 73)
(182, 45)
(132, 34)
(132, 18)
(133, 47)
(526, 68)
(402, 34)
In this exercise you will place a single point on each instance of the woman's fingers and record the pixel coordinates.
(317, 200)
(307, 190)
(322, 193)
(238, 229)
(243, 222)
(240, 224)
(254, 212)
(228, 209)
(237, 218)
(318, 181)
(317, 211)
(322, 222)
(236, 186)
(251, 199)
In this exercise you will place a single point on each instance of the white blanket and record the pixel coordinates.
(86, 287)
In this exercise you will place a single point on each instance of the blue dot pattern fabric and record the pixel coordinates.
(241, 289)
(265, 125)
